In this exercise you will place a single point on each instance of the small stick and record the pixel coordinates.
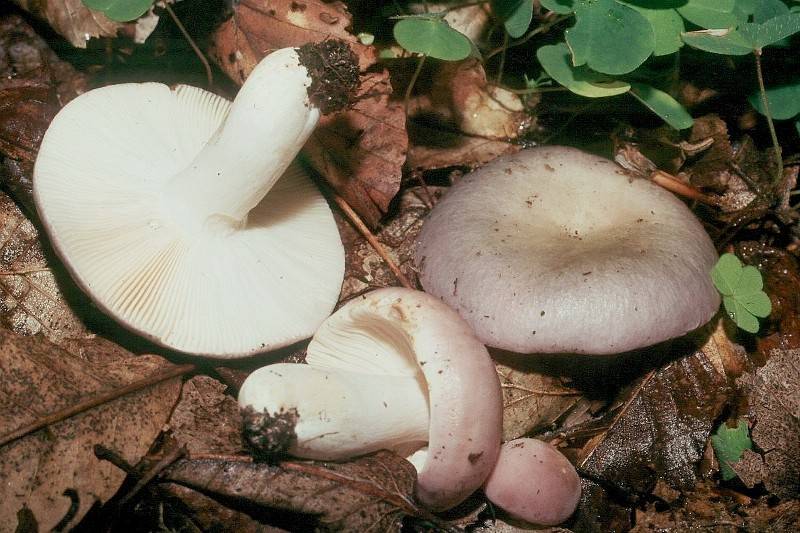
(90, 403)
(371, 239)
(152, 472)
(667, 181)
(198, 53)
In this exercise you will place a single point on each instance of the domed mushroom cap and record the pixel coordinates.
(138, 187)
(556, 250)
(534, 482)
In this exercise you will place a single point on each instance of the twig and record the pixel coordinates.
(176, 453)
(198, 53)
(90, 403)
(659, 177)
(371, 239)
(220, 457)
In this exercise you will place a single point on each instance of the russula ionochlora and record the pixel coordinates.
(166, 206)
(555, 250)
(533, 482)
(392, 369)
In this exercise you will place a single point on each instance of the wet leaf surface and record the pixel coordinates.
(662, 426)
(54, 471)
(368, 494)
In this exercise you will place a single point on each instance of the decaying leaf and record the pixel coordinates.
(364, 268)
(206, 420)
(369, 494)
(774, 411)
(661, 429)
(71, 19)
(531, 399)
(31, 301)
(361, 151)
(36, 379)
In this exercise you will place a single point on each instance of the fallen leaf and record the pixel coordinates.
(206, 420)
(661, 429)
(361, 151)
(38, 469)
(774, 411)
(72, 19)
(31, 301)
(531, 399)
(369, 494)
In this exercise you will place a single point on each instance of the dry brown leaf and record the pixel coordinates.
(774, 412)
(531, 399)
(206, 420)
(369, 494)
(36, 379)
(31, 301)
(359, 151)
(661, 430)
(71, 19)
(260, 26)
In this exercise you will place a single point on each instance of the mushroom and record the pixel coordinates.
(156, 200)
(533, 482)
(556, 250)
(392, 369)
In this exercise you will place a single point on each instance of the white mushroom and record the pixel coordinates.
(556, 250)
(156, 200)
(389, 370)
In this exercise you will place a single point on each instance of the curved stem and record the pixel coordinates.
(198, 53)
(765, 102)
(528, 36)
(412, 82)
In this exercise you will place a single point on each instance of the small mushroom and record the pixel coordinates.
(392, 369)
(156, 200)
(533, 482)
(556, 250)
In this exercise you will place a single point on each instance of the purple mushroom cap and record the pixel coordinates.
(554, 250)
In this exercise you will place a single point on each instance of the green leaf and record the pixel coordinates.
(769, 9)
(555, 59)
(562, 7)
(432, 36)
(667, 27)
(773, 30)
(712, 14)
(729, 444)
(784, 101)
(120, 10)
(662, 105)
(609, 37)
(726, 42)
(516, 15)
(742, 294)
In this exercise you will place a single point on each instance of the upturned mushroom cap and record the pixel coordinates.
(556, 250)
(533, 482)
(390, 368)
(154, 200)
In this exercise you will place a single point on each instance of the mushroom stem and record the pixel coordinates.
(268, 123)
(341, 414)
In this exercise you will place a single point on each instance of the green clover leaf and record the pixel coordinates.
(120, 10)
(742, 294)
(729, 444)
